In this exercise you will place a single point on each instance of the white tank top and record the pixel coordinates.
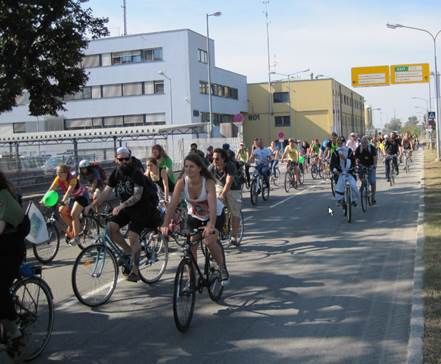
(198, 208)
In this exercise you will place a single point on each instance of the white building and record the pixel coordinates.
(126, 86)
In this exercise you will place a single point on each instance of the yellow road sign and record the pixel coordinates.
(370, 76)
(410, 73)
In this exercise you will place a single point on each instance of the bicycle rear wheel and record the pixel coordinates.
(94, 275)
(90, 233)
(46, 252)
(35, 311)
(184, 291)
(154, 257)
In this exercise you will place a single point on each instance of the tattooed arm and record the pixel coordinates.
(135, 198)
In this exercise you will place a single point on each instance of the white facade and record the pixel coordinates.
(109, 100)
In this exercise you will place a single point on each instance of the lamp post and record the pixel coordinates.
(437, 91)
(289, 76)
(375, 109)
(171, 94)
(210, 106)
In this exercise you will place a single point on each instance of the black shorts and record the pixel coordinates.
(138, 219)
(81, 200)
(193, 223)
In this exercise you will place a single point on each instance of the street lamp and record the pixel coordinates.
(437, 90)
(289, 76)
(161, 72)
(375, 109)
(210, 108)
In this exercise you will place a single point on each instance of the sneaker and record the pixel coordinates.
(133, 277)
(374, 201)
(234, 242)
(74, 241)
(225, 276)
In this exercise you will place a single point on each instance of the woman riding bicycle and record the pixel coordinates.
(14, 226)
(204, 210)
(160, 178)
(74, 200)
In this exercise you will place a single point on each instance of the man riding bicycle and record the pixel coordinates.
(392, 148)
(92, 175)
(366, 158)
(262, 157)
(136, 209)
(293, 158)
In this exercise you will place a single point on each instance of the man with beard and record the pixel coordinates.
(136, 208)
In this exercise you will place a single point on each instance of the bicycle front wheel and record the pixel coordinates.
(154, 258)
(241, 228)
(364, 198)
(288, 184)
(254, 189)
(91, 231)
(184, 295)
(215, 287)
(348, 204)
(265, 189)
(314, 171)
(94, 275)
(35, 311)
(46, 252)
(332, 186)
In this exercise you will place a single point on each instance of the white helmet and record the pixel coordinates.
(84, 163)
(386, 136)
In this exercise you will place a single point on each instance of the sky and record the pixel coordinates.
(329, 37)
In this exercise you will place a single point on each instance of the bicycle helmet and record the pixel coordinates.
(226, 146)
(84, 163)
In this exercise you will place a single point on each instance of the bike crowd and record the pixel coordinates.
(202, 205)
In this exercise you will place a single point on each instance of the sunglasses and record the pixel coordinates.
(123, 159)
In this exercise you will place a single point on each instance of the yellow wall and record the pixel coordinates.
(312, 110)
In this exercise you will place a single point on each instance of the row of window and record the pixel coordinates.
(115, 121)
(217, 118)
(119, 90)
(219, 90)
(126, 57)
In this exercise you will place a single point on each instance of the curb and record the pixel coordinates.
(416, 333)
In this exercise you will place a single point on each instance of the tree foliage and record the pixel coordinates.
(42, 45)
(393, 125)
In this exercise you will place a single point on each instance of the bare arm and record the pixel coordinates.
(103, 196)
(179, 187)
(135, 198)
(164, 176)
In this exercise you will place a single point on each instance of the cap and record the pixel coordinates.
(123, 150)
(84, 163)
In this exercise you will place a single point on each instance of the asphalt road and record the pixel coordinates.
(306, 287)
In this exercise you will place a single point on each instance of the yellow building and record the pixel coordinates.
(312, 109)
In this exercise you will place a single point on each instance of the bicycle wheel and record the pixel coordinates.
(314, 171)
(275, 177)
(90, 232)
(35, 311)
(94, 275)
(154, 257)
(392, 177)
(348, 204)
(241, 228)
(46, 252)
(363, 197)
(254, 189)
(265, 188)
(184, 291)
(302, 177)
(288, 184)
(332, 186)
(215, 287)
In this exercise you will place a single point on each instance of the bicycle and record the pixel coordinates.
(96, 269)
(347, 202)
(275, 175)
(33, 301)
(186, 286)
(225, 233)
(316, 168)
(365, 188)
(290, 180)
(406, 161)
(259, 185)
(392, 172)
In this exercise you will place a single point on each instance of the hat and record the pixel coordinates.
(123, 150)
(226, 146)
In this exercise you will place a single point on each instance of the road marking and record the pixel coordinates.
(287, 199)
(247, 218)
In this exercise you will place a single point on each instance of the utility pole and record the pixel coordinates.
(270, 109)
(125, 16)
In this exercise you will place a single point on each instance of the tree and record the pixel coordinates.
(411, 121)
(41, 49)
(393, 124)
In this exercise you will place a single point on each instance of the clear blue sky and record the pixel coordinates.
(329, 37)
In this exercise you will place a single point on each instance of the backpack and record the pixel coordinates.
(100, 170)
(151, 191)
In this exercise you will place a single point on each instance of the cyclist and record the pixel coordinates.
(262, 157)
(200, 153)
(314, 151)
(342, 160)
(204, 209)
(73, 202)
(331, 146)
(160, 178)
(14, 226)
(164, 161)
(293, 157)
(242, 157)
(352, 141)
(136, 209)
(366, 156)
(275, 155)
(392, 148)
(230, 153)
(407, 144)
(209, 154)
(93, 175)
(228, 188)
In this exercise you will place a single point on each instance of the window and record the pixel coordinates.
(92, 61)
(234, 93)
(282, 121)
(154, 54)
(279, 97)
(112, 90)
(106, 59)
(96, 92)
(126, 57)
(87, 93)
(159, 87)
(155, 119)
(19, 127)
(132, 89)
(77, 123)
(203, 87)
(202, 56)
(134, 120)
(113, 121)
(97, 122)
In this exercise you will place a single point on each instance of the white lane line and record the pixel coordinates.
(247, 218)
(287, 199)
